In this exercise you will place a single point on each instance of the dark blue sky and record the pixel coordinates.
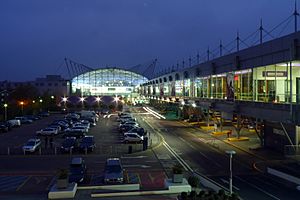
(36, 35)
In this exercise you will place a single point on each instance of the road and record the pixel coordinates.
(202, 154)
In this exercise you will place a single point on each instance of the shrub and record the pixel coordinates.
(177, 169)
(184, 196)
(63, 174)
(193, 181)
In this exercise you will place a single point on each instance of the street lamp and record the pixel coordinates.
(82, 101)
(22, 106)
(5, 111)
(98, 99)
(230, 153)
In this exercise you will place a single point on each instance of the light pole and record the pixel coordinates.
(98, 99)
(5, 111)
(22, 106)
(230, 153)
(82, 102)
(65, 99)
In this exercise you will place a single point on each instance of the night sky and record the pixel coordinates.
(36, 35)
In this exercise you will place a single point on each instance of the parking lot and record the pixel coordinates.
(35, 173)
(107, 138)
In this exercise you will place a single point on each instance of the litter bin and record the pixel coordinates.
(130, 149)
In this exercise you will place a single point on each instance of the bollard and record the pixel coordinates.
(85, 150)
(24, 151)
(71, 149)
(40, 151)
(8, 151)
(129, 149)
(55, 151)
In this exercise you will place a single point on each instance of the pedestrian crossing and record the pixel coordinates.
(11, 183)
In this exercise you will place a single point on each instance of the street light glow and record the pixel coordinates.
(64, 99)
(21, 103)
(182, 103)
(194, 105)
(5, 105)
(41, 100)
(98, 99)
(116, 99)
(81, 99)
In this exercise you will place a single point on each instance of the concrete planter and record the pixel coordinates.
(177, 178)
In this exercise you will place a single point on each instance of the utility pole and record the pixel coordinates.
(261, 31)
(207, 53)
(237, 41)
(296, 14)
(221, 48)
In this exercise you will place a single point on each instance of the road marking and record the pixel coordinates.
(177, 157)
(252, 185)
(187, 143)
(140, 166)
(20, 186)
(128, 157)
(225, 181)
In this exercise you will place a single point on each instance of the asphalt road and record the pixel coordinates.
(207, 156)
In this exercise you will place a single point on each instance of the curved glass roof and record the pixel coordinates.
(107, 81)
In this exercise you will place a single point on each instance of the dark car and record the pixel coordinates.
(113, 172)
(87, 143)
(44, 114)
(3, 128)
(77, 170)
(126, 127)
(69, 144)
(74, 133)
(6, 124)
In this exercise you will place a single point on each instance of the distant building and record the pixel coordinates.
(52, 85)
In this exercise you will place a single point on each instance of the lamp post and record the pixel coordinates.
(65, 99)
(22, 106)
(5, 111)
(230, 153)
(98, 101)
(82, 102)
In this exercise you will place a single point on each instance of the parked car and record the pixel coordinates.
(78, 129)
(126, 128)
(32, 117)
(69, 144)
(133, 137)
(77, 170)
(113, 172)
(74, 133)
(47, 131)
(15, 122)
(32, 145)
(44, 114)
(3, 128)
(138, 130)
(7, 124)
(24, 120)
(88, 142)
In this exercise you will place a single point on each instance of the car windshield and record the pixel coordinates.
(113, 168)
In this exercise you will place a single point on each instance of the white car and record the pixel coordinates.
(32, 145)
(133, 137)
(47, 131)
